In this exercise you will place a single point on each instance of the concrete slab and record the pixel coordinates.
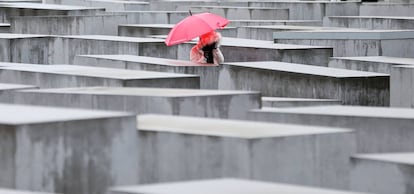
(8, 10)
(377, 129)
(396, 43)
(12, 191)
(52, 76)
(239, 23)
(387, 9)
(281, 102)
(109, 5)
(401, 86)
(23, 47)
(222, 186)
(208, 72)
(380, 64)
(52, 149)
(238, 49)
(312, 10)
(383, 173)
(265, 32)
(4, 28)
(7, 91)
(202, 103)
(246, 13)
(184, 148)
(68, 25)
(370, 22)
(278, 79)
(144, 30)
(153, 17)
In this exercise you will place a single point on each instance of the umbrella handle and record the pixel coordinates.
(190, 12)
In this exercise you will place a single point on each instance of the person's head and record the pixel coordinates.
(209, 37)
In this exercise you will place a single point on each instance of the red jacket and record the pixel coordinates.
(197, 54)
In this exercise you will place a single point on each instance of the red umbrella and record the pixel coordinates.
(194, 26)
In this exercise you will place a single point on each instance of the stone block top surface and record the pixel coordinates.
(293, 21)
(347, 111)
(286, 99)
(100, 72)
(17, 36)
(224, 186)
(380, 59)
(375, 17)
(6, 86)
(290, 27)
(46, 6)
(240, 42)
(149, 60)
(11, 191)
(236, 7)
(135, 91)
(356, 34)
(402, 158)
(227, 128)
(114, 38)
(123, 2)
(306, 69)
(24, 114)
(168, 26)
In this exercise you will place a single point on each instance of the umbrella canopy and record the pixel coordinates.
(194, 26)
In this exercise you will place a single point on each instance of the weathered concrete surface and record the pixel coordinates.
(245, 13)
(312, 10)
(24, 47)
(8, 10)
(377, 129)
(370, 22)
(12, 191)
(153, 17)
(208, 72)
(348, 43)
(401, 86)
(295, 102)
(265, 32)
(202, 103)
(68, 25)
(109, 5)
(55, 76)
(383, 173)
(380, 64)
(4, 28)
(240, 23)
(66, 150)
(144, 30)
(237, 49)
(221, 186)
(280, 79)
(387, 9)
(7, 91)
(183, 148)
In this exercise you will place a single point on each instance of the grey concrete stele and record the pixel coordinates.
(370, 22)
(55, 76)
(379, 64)
(401, 86)
(109, 5)
(347, 43)
(7, 90)
(295, 102)
(202, 103)
(12, 191)
(208, 72)
(245, 13)
(383, 173)
(377, 129)
(278, 79)
(392, 8)
(8, 10)
(66, 150)
(240, 23)
(188, 148)
(222, 186)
